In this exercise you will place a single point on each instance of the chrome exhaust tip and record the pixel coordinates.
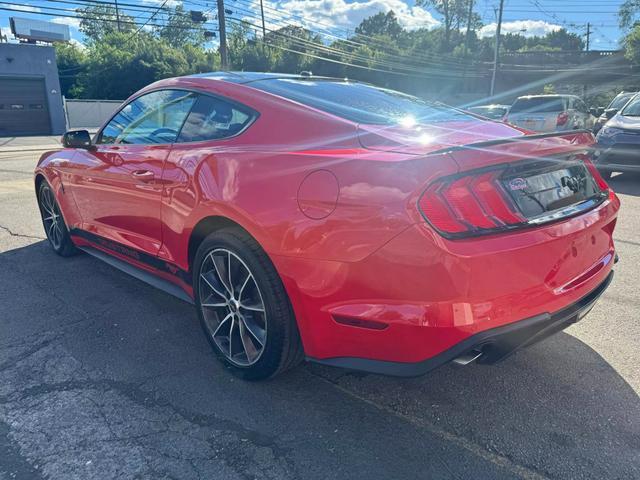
(467, 358)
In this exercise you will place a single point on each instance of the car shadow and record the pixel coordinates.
(627, 183)
(91, 359)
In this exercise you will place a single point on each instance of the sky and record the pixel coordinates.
(338, 18)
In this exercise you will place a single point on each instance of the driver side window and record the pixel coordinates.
(152, 118)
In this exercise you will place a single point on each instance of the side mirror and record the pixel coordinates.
(610, 112)
(76, 139)
(596, 111)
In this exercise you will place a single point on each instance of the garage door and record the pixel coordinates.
(23, 107)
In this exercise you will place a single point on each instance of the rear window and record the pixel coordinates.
(633, 108)
(359, 102)
(538, 105)
(620, 101)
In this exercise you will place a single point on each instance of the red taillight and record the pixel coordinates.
(563, 118)
(469, 205)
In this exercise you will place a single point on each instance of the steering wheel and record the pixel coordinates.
(164, 131)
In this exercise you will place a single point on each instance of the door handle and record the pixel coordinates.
(143, 175)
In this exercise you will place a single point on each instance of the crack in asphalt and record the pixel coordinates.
(20, 235)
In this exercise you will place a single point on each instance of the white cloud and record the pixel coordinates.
(72, 22)
(528, 28)
(338, 14)
(23, 8)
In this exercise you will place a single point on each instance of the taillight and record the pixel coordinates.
(512, 196)
(468, 205)
(563, 118)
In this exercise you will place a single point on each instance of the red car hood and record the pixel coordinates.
(423, 139)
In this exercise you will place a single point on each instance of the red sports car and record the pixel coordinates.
(335, 221)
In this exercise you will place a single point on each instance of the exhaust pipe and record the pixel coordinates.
(467, 358)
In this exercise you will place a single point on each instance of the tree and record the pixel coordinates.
(454, 13)
(632, 45)
(628, 12)
(71, 60)
(101, 20)
(380, 24)
(179, 30)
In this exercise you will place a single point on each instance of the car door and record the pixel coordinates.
(117, 184)
(584, 116)
(202, 165)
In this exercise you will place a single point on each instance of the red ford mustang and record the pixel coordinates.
(335, 221)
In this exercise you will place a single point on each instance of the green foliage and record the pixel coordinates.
(178, 30)
(628, 12)
(381, 24)
(71, 59)
(101, 20)
(632, 45)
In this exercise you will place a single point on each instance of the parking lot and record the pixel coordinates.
(102, 376)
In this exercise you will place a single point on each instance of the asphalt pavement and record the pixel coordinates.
(102, 377)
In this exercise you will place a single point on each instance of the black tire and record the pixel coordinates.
(56, 230)
(282, 348)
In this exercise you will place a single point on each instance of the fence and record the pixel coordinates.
(89, 114)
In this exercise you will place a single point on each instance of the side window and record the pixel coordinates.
(213, 119)
(152, 118)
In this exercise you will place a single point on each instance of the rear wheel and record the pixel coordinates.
(243, 307)
(54, 226)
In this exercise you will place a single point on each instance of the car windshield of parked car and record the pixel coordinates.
(620, 101)
(633, 108)
(361, 103)
(537, 105)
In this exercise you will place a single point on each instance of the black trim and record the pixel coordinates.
(140, 274)
(152, 261)
(495, 344)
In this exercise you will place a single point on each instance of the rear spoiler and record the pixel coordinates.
(507, 140)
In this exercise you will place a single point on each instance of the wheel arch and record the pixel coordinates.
(208, 225)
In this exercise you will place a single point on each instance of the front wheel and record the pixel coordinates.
(243, 307)
(54, 226)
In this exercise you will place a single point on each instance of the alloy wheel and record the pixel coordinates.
(232, 307)
(51, 217)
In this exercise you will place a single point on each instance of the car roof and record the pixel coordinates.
(494, 105)
(248, 77)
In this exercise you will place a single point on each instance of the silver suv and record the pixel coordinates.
(550, 113)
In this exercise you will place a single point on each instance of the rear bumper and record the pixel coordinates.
(493, 345)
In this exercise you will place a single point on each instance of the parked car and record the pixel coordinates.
(494, 112)
(619, 141)
(550, 113)
(331, 220)
(616, 104)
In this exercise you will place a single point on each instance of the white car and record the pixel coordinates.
(550, 113)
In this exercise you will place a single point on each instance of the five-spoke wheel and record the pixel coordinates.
(232, 307)
(243, 306)
(53, 222)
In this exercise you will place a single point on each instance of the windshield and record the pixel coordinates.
(633, 108)
(361, 103)
(620, 101)
(538, 105)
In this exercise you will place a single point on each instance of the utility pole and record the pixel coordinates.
(588, 35)
(264, 30)
(224, 62)
(468, 37)
(496, 55)
(118, 16)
